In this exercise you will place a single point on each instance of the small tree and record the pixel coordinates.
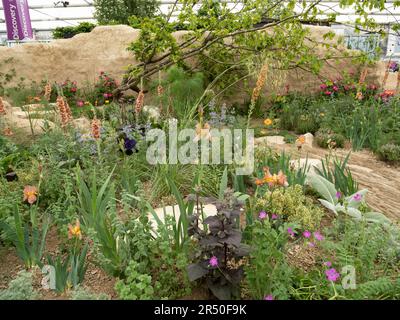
(243, 32)
(119, 11)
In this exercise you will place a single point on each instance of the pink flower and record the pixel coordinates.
(213, 261)
(311, 244)
(274, 216)
(323, 86)
(338, 195)
(328, 93)
(290, 231)
(269, 297)
(80, 103)
(262, 215)
(73, 89)
(357, 197)
(318, 236)
(332, 274)
(307, 234)
(328, 264)
(335, 88)
(105, 95)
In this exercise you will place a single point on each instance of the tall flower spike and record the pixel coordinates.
(2, 107)
(65, 111)
(139, 102)
(47, 91)
(96, 126)
(260, 83)
(363, 76)
(160, 90)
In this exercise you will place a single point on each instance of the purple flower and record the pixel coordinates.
(338, 195)
(357, 197)
(328, 264)
(269, 297)
(318, 236)
(213, 261)
(290, 231)
(262, 215)
(332, 274)
(274, 216)
(307, 234)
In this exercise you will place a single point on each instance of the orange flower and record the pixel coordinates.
(96, 126)
(2, 108)
(74, 231)
(7, 132)
(139, 102)
(359, 95)
(301, 140)
(30, 194)
(389, 93)
(202, 132)
(272, 180)
(268, 122)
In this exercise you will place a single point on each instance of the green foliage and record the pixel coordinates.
(81, 293)
(20, 288)
(136, 286)
(293, 205)
(119, 11)
(390, 153)
(268, 272)
(69, 32)
(337, 172)
(27, 237)
(177, 84)
(325, 138)
(70, 270)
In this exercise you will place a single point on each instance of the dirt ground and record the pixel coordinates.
(381, 180)
(96, 280)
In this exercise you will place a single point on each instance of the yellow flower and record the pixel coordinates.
(74, 231)
(359, 95)
(30, 194)
(87, 103)
(107, 101)
(322, 114)
(268, 122)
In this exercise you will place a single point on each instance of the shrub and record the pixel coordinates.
(389, 152)
(69, 32)
(119, 11)
(20, 288)
(292, 204)
(326, 138)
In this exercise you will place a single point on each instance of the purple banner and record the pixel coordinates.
(18, 21)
